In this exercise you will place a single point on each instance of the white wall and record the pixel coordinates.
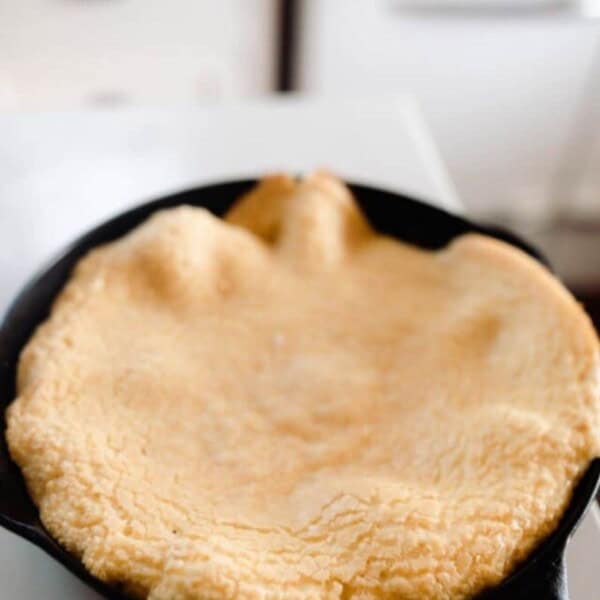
(59, 54)
(500, 94)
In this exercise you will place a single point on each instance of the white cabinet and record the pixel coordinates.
(501, 93)
(63, 54)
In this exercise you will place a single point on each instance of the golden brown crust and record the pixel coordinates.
(287, 405)
(260, 210)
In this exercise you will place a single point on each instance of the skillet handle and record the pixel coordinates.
(555, 585)
(544, 580)
(547, 582)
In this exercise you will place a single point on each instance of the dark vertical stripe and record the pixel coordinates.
(286, 44)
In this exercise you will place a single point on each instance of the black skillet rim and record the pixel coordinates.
(440, 228)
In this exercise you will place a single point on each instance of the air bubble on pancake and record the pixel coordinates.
(322, 224)
(313, 223)
(187, 252)
(260, 210)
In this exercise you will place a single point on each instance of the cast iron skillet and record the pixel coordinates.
(541, 577)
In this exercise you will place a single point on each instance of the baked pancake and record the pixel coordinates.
(287, 405)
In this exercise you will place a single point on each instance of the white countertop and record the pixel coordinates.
(61, 173)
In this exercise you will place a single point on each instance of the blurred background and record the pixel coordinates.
(510, 89)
